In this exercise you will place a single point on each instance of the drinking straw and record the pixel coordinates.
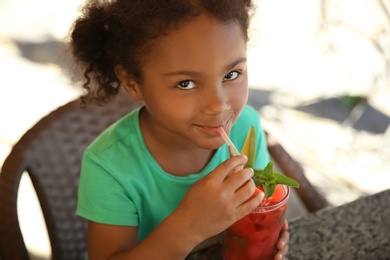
(229, 142)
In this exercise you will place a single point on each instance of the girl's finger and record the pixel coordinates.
(285, 226)
(245, 191)
(283, 240)
(281, 255)
(228, 167)
(237, 180)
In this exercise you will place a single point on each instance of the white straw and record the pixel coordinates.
(229, 142)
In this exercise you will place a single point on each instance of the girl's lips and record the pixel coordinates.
(210, 130)
(213, 130)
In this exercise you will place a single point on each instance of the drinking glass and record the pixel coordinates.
(255, 236)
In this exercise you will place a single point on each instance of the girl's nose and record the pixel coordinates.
(216, 101)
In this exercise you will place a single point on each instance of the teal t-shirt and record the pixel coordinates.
(122, 184)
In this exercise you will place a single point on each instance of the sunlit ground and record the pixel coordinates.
(288, 56)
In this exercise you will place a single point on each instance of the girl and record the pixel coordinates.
(160, 181)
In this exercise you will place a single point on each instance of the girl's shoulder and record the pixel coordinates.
(117, 132)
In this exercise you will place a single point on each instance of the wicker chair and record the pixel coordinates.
(50, 153)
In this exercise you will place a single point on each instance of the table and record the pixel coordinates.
(356, 230)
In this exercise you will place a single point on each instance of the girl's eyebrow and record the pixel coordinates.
(235, 63)
(183, 72)
(197, 74)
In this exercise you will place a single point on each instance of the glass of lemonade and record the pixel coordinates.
(255, 236)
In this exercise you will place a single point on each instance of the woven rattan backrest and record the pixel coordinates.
(50, 152)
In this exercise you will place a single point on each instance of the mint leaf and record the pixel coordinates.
(269, 189)
(268, 170)
(268, 179)
(283, 179)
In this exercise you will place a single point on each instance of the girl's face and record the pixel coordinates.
(194, 82)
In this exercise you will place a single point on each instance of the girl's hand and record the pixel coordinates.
(283, 242)
(219, 199)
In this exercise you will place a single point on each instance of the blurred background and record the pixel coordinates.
(319, 75)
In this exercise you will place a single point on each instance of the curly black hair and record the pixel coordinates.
(112, 32)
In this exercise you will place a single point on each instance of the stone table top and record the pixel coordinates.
(356, 230)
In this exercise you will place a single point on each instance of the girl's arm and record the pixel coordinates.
(167, 241)
(104, 240)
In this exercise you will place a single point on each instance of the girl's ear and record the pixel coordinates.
(131, 87)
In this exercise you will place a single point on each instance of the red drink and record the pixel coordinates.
(255, 236)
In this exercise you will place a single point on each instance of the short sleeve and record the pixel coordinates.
(101, 196)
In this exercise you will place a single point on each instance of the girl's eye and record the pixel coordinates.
(186, 84)
(231, 75)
